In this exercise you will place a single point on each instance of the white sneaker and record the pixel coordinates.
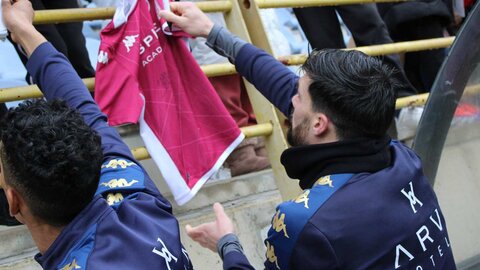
(407, 122)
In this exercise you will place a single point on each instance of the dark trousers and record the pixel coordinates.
(67, 38)
(421, 67)
(322, 29)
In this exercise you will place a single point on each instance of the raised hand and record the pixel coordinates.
(188, 17)
(208, 234)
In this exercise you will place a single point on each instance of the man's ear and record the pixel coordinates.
(320, 124)
(14, 201)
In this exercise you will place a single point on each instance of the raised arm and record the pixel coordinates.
(56, 77)
(275, 81)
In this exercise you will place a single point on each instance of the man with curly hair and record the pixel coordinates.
(69, 177)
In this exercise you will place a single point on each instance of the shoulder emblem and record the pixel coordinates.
(114, 198)
(303, 198)
(114, 163)
(278, 223)
(271, 257)
(72, 265)
(118, 183)
(325, 180)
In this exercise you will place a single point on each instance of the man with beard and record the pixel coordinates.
(366, 203)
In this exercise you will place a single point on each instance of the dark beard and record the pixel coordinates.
(296, 136)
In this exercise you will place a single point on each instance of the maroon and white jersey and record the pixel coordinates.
(146, 74)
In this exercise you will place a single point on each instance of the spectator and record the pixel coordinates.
(366, 203)
(416, 20)
(70, 179)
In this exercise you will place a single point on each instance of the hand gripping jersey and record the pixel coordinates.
(145, 76)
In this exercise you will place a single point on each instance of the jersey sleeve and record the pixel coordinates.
(273, 79)
(117, 87)
(236, 261)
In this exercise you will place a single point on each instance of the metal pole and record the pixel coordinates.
(141, 153)
(88, 14)
(416, 100)
(384, 49)
(316, 3)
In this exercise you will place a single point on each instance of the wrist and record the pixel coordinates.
(29, 38)
(207, 30)
(228, 243)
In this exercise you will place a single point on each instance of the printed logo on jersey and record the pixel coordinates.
(114, 183)
(148, 43)
(164, 253)
(72, 265)
(324, 181)
(102, 57)
(303, 198)
(278, 223)
(129, 41)
(271, 257)
(428, 244)
(120, 175)
(114, 198)
(412, 198)
(122, 163)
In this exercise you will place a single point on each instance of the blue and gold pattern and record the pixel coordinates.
(278, 223)
(292, 216)
(324, 180)
(114, 198)
(120, 175)
(271, 257)
(122, 182)
(303, 198)
(122, 163)
(72, 265)
(77, 256)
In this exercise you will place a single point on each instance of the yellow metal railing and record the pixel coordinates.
(384, 49)
(88, 14)
(32, 91)
(316, 3)
(141, 153)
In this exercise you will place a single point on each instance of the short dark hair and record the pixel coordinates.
(52, 157)
(356, 91)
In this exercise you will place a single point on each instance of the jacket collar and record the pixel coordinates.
(310, 162)
(89, 216)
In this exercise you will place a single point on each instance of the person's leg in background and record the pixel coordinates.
(321, 27)
(244, 158)
(66, 38)
(368, 28)
(49, 31)
(72, 36)
(3, 110)
(422, 67)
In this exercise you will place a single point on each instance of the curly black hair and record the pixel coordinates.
(52, 157)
